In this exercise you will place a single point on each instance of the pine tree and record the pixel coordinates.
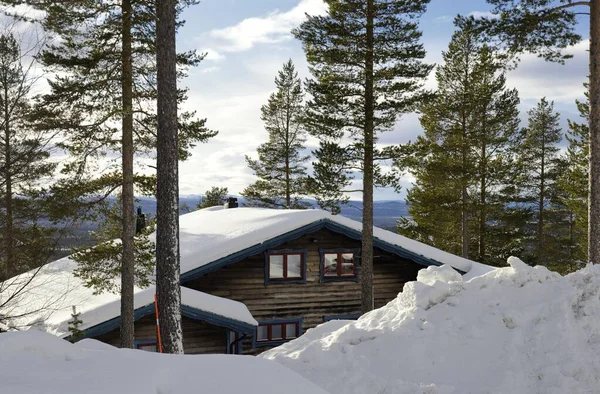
(29, 226)
(280, 167)
(214, 197)
(105, 74)
(547, 27)
(99, 267)
(168, 289)
(76, 333)
(573, 183)
(537, 162)
(463, 160)
(366, 62)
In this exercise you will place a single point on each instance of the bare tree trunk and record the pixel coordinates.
(128, 259)
(167, 213)
(594, 170)
(482, 202)
(540, 246)
(288, 199)
(8, 231)
(366, 263)
(464, 218)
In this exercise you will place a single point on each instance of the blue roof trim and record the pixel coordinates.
(217, 320)
(188, 311)
(295, 234)
(114, 323)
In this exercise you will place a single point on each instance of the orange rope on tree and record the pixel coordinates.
(159, 342)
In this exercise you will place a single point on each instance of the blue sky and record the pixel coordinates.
(248, 41)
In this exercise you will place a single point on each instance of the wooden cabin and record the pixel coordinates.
(255, 278)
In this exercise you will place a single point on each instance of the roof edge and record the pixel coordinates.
(299, 232)
(186, 310)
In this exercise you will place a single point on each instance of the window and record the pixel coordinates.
(339, 264)
(149, 345)
(285, 266)
(277, 331)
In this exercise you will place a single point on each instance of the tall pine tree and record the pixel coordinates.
(573, 183)
(29, 226)
(464, 157)
(538, 161)
(547, 27)
(168, 289)
(280, 167)
(102, 98)
(366, 61)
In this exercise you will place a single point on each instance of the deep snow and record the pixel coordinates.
(516, 330)
(39, 363)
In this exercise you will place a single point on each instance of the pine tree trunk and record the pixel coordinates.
(482, 202)
(542, 197)
(128, 260)
(167, 213)
(366, 263)
(288, 193)
(8, 231)
(594, 171)
(464, 219)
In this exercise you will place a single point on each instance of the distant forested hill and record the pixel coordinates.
(386, 213)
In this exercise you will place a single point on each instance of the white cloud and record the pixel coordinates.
(272, 28)
(212, 55)
(207, 70)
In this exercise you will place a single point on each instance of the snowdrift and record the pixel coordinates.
(513, 330)
(34, 363)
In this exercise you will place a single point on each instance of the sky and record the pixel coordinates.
(247, 42)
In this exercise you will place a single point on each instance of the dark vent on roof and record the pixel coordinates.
(232, 202)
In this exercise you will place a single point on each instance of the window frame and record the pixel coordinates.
(285, 252)
(276, 342)
(145, 342)
(238, 346)
(339, 278)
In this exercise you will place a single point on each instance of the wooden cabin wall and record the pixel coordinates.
(245, 282)
(198, 337)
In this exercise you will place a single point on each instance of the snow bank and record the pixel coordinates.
(34, 362)
(513, 330)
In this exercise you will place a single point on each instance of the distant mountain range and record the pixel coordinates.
(385, 213)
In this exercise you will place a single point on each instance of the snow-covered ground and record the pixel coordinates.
(39, 363)
(517, 330)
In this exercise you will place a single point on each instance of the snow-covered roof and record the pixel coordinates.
(211, 234)
(206, 236)
(49, 293)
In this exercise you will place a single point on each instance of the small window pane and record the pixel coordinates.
(232, 336)
(294, 266)
(276, 331)
(330, 266)
(276, 266)
(262, 333)
(348, 264)
(290, 330)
